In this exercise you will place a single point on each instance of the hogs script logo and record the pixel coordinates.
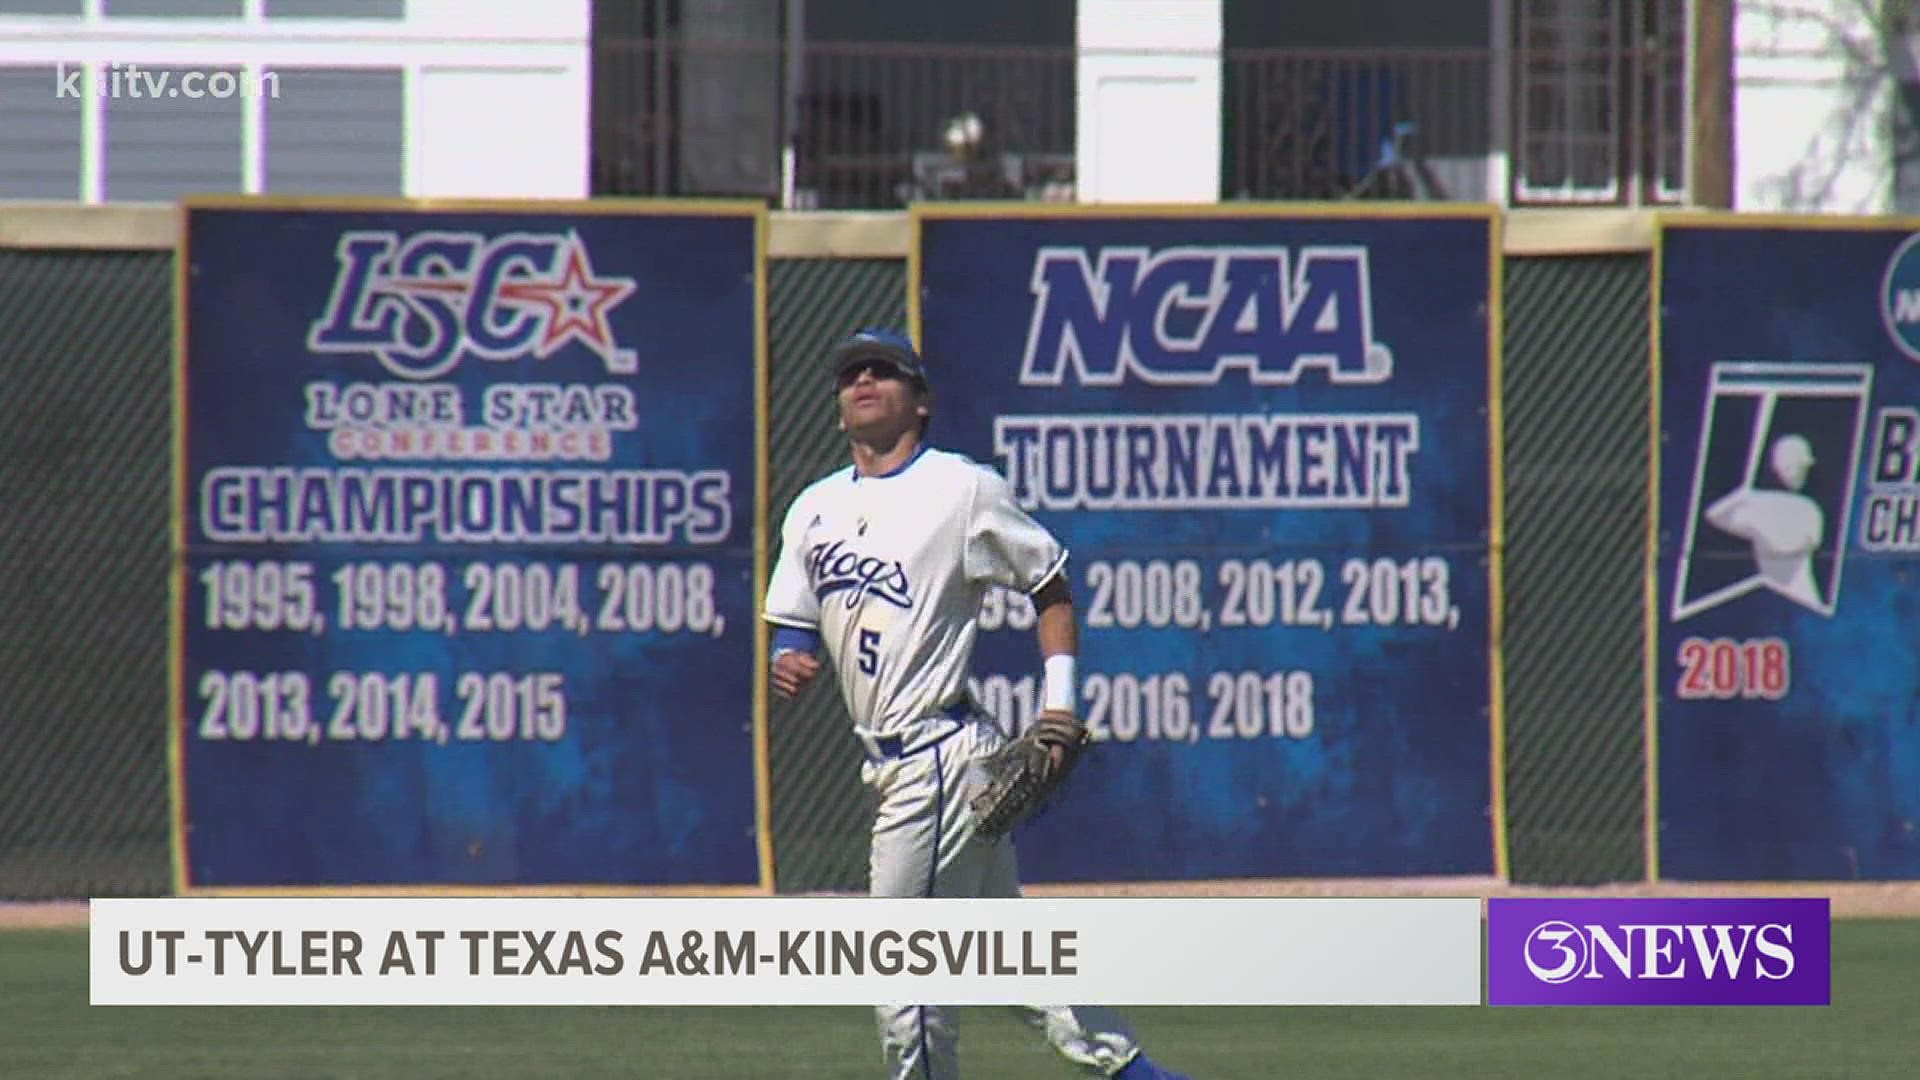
(422, 304)
(837, 568)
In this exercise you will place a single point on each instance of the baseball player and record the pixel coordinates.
(885, 564)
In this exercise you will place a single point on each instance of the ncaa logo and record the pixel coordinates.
(1900, 297)
(1185, 316)
(1555, 952)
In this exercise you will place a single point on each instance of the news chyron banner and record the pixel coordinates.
(467, 507)
(1265, 437)
(1789, 540)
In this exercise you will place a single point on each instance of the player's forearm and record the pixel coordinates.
(1055, 631)
(1054, 628)
(1059, 643)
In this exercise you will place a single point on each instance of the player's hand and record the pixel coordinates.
(792, 671)
(1062, 734)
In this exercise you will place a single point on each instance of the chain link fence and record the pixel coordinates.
(820, 808)
(85, 469)
(1575, 379)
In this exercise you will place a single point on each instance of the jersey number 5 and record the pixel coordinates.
(869, 651)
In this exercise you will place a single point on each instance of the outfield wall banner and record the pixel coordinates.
(1267, 439)
(1789, 525)
(467, 495)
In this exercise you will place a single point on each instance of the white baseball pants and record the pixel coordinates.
(924, 845)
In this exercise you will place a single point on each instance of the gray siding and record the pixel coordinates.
(163, 148)
(153, 9)
(41, 7)
(336, 131)
(39, 135)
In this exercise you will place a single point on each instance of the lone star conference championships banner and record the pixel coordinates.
(465, 496)
(1266, 440)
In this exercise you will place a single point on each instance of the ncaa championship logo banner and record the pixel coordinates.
(1633, 951)
(1789, 524)
(467, 496)
(1265, 440)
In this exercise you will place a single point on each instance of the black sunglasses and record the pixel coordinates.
(881, 369)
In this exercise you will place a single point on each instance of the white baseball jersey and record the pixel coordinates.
(891, 571)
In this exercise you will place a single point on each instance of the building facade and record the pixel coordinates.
(853, 104)
(149, 100)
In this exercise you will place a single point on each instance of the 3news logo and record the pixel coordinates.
(1659, 952)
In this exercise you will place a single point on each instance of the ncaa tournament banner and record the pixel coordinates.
(1789, 524)
(467, 495)
(1265, 437)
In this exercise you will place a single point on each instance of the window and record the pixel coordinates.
(335, 9)
(1602, 101)
(161, 148)
(148, 9)
(166, 132)
(42, 7)
(335, 131)
(39, 135)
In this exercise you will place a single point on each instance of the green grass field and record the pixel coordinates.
(47, 1030)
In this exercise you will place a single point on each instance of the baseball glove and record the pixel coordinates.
(1021, 776)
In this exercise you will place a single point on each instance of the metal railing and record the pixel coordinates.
(832, 126)
(1601, 102)
(825, 126)
(1333, 124)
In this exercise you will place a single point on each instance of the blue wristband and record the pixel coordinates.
(788, 637)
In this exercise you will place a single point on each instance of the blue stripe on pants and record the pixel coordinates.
(933, 871)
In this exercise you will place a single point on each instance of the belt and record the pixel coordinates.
(894, 747)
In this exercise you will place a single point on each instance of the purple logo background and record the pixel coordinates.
(1571, 952)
